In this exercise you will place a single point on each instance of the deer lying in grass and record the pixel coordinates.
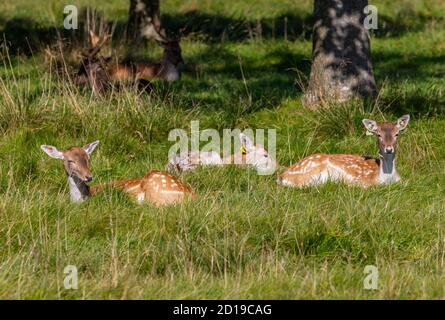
(351, 169)
(156, 187)
(249, 154)
(169, 69)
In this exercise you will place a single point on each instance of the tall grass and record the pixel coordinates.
(244, 237)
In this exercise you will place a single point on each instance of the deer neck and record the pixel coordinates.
(79, 190)
(170, 72)
(387, 168)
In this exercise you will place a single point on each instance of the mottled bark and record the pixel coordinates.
(341, 57)
(144, 20)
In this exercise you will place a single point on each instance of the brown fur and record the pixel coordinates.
(98, 71)
(156, 187)
(150, 70)
(76, 161)
(351, 169)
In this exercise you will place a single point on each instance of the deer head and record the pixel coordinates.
(75, 160)
(172, 53)
(387, 134)
(93, 68)
(256, 155)
(172, 48)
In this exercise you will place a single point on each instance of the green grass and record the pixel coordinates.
(244, 237)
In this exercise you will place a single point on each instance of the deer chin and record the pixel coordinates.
(266, 168)
(387, 162)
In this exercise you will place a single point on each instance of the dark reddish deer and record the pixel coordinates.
(94, 68)
(169, 69)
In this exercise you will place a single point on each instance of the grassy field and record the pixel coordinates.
(244, 237)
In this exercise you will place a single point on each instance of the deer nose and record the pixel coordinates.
(88, 178)
(389, 149)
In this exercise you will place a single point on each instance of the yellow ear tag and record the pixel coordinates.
(243, 150)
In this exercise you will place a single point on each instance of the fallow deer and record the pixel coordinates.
(249, 154)
(156, 187)
(351, 169)
(169, 69)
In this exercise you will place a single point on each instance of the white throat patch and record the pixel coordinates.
(171, 72)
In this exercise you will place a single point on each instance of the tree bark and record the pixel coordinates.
(144, 20)
(341, 57)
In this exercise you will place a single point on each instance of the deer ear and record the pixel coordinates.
(402, 122)
(370, 125)
(52, 152)
(89, 148)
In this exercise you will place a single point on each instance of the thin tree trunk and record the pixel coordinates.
(341, 57)
(144, 20)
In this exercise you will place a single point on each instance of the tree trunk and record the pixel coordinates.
(144, 20)
(341, 57)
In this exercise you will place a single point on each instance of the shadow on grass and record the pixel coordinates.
(218, 60)
(406, 20)
(423, 97)
(395, 66)
(26, 35)
(270, 78)
(415, 103)
(218, 28)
